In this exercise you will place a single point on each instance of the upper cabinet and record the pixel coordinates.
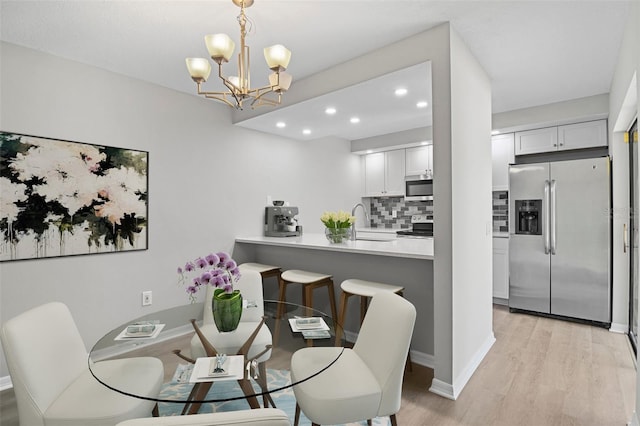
(419, 160)
(591, 134)
(384, 173)
(502, 155)
(537, 140)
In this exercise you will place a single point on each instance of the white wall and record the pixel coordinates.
(558, 113)
(467, 226)
(208, 182)
(623, 107)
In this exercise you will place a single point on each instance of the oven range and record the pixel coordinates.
(421, 227)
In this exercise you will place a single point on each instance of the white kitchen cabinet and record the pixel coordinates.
(536, 141)
(501, 268)
(591, 134)
(502, 156)
(384, 173)
(419, 160)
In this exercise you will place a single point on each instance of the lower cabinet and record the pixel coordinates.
(501, 268)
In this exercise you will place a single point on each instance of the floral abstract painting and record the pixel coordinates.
(62, 198)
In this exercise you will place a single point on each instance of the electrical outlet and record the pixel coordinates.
(146, 298)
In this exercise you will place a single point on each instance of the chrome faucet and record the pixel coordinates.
(353, 213)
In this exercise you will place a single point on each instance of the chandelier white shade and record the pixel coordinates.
(221, 47)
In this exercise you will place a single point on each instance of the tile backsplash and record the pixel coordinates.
(500, 211)
(382, 210)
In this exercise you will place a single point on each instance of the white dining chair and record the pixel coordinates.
(365, 382)
(252, 338)
(48, 365)
(258, 417)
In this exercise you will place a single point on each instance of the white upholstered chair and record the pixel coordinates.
(366, 381)
(230, 343)
(258, 417)
(48, 365)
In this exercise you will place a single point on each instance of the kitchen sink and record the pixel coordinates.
(380, 239)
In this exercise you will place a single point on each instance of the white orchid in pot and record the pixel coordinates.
(220, 271)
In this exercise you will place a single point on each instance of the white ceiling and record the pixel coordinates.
(535, 52)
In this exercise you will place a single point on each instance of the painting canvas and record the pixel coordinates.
(62, 198)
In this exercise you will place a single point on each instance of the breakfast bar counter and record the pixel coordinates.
(415, 248)
(407, 262)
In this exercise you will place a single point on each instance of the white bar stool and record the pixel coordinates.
(310, 281)
(266, 271)
(366, 290)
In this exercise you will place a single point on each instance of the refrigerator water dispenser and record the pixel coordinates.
(529, 217)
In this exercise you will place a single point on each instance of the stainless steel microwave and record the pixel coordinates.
(418, 188)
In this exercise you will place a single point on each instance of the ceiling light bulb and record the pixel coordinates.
(306, 131)
(422, 104)
(330, 111)
(199, 68)
(277, 57)
(401, 91)
(220, 47)
(354, 120)
(281, 124)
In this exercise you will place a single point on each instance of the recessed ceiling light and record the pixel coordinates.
(354, 120)
(281, 124)
(422, 104)
(306, 131)
(495, 132)
(401, 91)
(330, 111)
(369, 151)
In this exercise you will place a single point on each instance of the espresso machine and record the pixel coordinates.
(280, 221)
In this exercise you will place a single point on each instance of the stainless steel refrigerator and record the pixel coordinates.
(559, 239)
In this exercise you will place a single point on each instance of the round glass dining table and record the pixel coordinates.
(165, 333)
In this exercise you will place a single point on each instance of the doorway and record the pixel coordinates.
(634, 201)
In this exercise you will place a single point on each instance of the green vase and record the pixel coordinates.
(227, 309)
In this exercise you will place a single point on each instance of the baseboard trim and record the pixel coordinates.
(452, 391)
(616, 327)
(423, 359)
(5, 383)
(442, 388)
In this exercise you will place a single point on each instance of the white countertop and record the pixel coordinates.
(415, 248)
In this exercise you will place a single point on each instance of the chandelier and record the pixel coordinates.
(220, 47)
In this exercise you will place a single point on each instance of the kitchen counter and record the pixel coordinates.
(399, 261)
(498, 234)
(413, 248)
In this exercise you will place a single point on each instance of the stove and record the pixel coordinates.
(421, 227)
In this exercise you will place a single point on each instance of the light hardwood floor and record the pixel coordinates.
(539, 372)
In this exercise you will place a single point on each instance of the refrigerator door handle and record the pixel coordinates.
(545, 229)
(552, 215)
(625, 238)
